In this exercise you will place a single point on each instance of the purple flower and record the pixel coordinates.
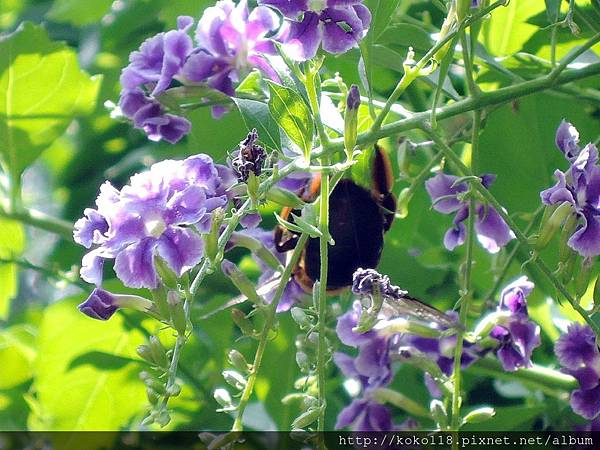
(147, 114)
(492, 232)
(579, 186)
(517, 335)
(159, 59)
(365, 414)
(578, 353)
(102, 304)
(338, 25)
(231, 41)
(154, 215)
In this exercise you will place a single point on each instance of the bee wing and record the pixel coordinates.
(410, 306)
(265, 289)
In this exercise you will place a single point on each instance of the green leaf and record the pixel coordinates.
(79, 12)
(75, 396)
(292, 114)
(42, 89)
(12, 241)
(382, 12)
(256, 115)
(17, 353)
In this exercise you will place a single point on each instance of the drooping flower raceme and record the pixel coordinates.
(338, 25)
(492, 232)
(158, 214)
(517, 335)
(578, 353)
(580, 187)
(230, 41)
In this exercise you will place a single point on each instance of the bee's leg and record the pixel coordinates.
(383, 181)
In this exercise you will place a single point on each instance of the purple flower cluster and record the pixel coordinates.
(337, 25)
(517, 335)
(579, 186)
(230, 40)
(158, 214)
(577, 351)
(492, 232)
(371, 367)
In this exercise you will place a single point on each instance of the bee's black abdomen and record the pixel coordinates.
(356, 224)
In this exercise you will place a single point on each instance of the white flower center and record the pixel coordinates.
(317, 5)
(155, 226)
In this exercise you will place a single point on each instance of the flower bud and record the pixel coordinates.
(234, 379)
(155, 385)
(223, 398)
(256, 247)
(152, 395)
(306, 418)
(165, 273)
(163, 418)
(145, 353)
(582, 279)
(479, 415)
(549, 227)
(238, 361)
(404, 199)
(303, 362)
(174, 391)
(351, 120)
(284, 197)
(439, 414)
(211, 239)
(301, 318)
(241, 281)
(159, 296)
(102, 304)
(176, 311)
(243, 323)
(596, 294)
(564, 250)
(159, 354)
(253, 184)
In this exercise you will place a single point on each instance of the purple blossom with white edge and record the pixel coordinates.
(491, 230)
(579, 186)
(337, 25)
(158, 214)
(231, 42)
(150, 72)
(102, 304)
(578, 353)
(517, 335)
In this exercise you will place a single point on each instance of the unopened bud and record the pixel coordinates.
(167, 276)
(159, 353)
(306, 418)
(145, 353)
(174, 391)
(301, 318)
(223, 398)
(241, 281)
(351, 120)
(303, 362)
(596, 294)
(564, 250)
(479, 415)
(404, 199)
(243, 323)
(582, 280)
(152, 395)
(177, 312)
(163, 418)
(211, 239)
(238, 361)
(234, 379)
(549, 228)
(439, 414)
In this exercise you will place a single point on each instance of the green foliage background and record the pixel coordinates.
(63, 371)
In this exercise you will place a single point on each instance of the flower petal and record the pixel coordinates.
(181, 248)
(134, 265)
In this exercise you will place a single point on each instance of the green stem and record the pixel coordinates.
(487, 195)
(311, 90)
(57, 275)
(262, 343)
(42, 221)
(323, 248)
(548, 380)
(463, 314)
(496, 97)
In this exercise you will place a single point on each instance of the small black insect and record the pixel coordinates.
(358, 220)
